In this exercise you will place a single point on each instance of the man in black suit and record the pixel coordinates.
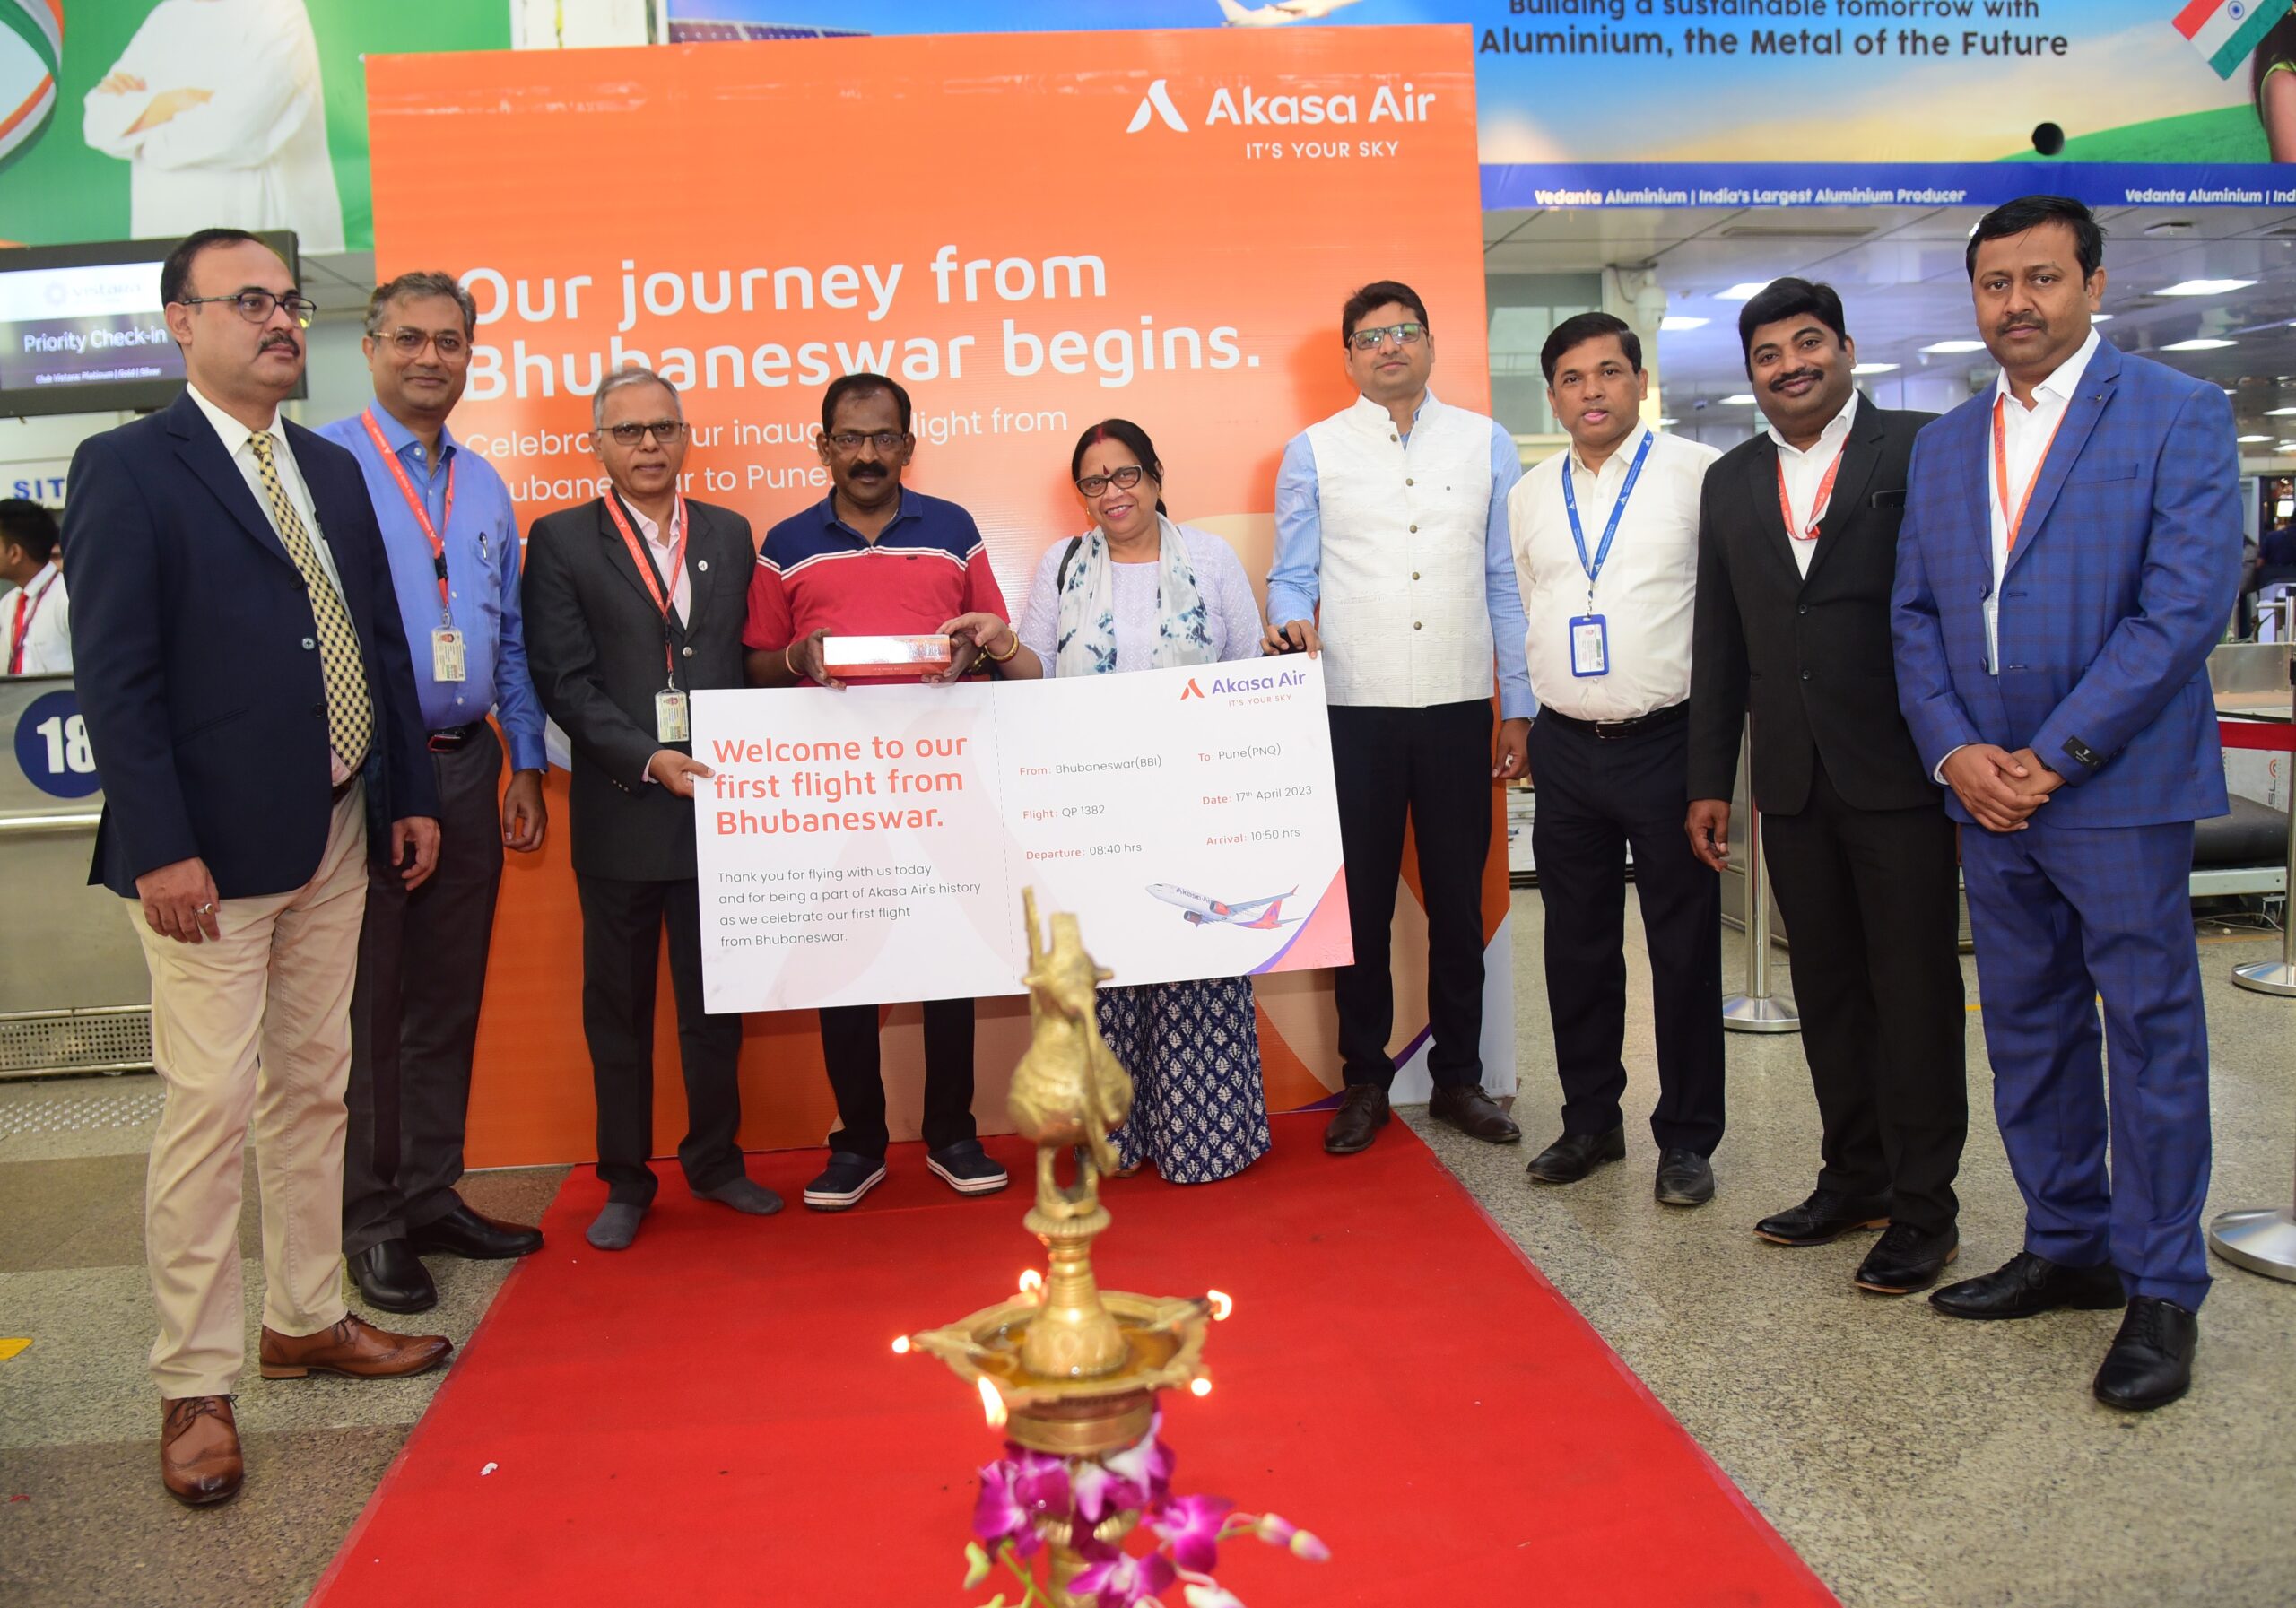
(244, 674)
(1797, 552)
(633, 602)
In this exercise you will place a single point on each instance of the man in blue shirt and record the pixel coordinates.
(451, 533)
(1393, 561)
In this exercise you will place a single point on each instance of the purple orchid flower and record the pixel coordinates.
(1041, 1484)
(1115, 1579)
(1147, 1464)
(999, 1516)
(1191, 1524)
(1100, 1492)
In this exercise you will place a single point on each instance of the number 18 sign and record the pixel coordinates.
(52, 746)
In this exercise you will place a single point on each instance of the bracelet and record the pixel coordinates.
(786, 664)
(1008, 653)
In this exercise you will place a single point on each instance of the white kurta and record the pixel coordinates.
(255, 156)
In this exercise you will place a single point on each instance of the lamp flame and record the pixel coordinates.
(900, 1345)
(1199, 1385)
(1222, 1304)
(992, 1404)
(1031, 1282)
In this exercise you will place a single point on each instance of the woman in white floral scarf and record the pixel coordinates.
(1137, 592)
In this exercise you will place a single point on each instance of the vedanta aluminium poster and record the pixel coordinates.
(1738, 102)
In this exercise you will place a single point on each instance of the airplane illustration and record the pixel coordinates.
(1278, 13)
(1261, 915)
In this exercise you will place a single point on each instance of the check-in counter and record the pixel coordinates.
(73, 995)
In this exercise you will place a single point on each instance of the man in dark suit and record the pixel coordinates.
(1797, 549)
(245, 679)
(633, 602)
(2070, 553)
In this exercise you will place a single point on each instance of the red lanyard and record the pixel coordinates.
(2015, 522)
(1818, 508)
(28, 603)
(416, 506)
(646, 568)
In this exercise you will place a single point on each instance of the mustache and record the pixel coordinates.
(1783, 380)
(280, 339)
(2022, 321)
(868, 471)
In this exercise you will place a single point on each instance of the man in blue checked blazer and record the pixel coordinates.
(2071, 550)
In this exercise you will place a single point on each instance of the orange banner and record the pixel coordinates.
(1030, 233)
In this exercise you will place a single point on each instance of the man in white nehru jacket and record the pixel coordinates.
(1392, 516)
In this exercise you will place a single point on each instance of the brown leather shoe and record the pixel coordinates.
(1466, 1108)
(199, 1449)
(354, 1347)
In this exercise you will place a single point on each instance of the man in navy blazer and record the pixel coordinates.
(244, 675)
(2070, 553)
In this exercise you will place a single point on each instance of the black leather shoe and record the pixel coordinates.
(1907, 1259)
(1362, 1113)
(463, 1232)
(1825, 1217)
(2026, 1285)
(1685, 1179)
(1466, 1108)
(1575, 1155)
(2150, 1364)
(393, 1279)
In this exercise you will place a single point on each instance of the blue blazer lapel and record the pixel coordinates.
(2081, 415)
(202, 451)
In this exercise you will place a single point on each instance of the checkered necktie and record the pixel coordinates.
(350, 718)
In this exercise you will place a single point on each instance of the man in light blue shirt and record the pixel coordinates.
(451, 533)
(1393, 561)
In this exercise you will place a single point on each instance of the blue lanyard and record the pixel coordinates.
(1618, 511)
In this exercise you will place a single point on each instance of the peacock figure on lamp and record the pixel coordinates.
(1070, 1371)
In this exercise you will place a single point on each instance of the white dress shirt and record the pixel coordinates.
(235, 437)
(668, 551)
(2026, 433)
(1649, 583)
(46, 613)
(1806, 471)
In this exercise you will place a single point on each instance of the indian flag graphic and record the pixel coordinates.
(2226, 30)
(31, 48)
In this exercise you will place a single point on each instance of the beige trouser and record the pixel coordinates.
(255, 1027)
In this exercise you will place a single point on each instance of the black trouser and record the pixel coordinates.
(1597, 796)
(1433, 766)
(414, 1009)
(1868, 898)
(622, 946)
(856, 1076)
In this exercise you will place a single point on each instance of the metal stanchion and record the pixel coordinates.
(2279, 976)
(1758, 1010)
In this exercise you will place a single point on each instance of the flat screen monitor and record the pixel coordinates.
(81, 330)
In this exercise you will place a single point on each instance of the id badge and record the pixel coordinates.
(669, 716)
(1590, 646)
(447, 658)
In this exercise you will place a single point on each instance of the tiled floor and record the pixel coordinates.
(1911, 1460)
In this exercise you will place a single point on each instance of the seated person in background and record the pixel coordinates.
(35, 620)
(1137, 592)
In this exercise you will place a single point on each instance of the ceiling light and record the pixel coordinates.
(2175, 226)
(1674, 323)
(2198, 343)
(2245, 440)
(2101, 318)
(2280, 412)
(1953, 346)
(2205, 287)
(1872, 367)
(1743, 399)
(1664, 422)
(1746, 291)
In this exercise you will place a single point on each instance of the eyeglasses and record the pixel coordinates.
(410, 342)
(886, 442)
(1403, 335)
(1123, 479)
(665, 430)
(255, 306)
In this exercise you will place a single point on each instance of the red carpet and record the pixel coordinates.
(716, 1416)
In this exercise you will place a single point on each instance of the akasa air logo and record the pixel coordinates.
(1244, 105)
(1158, 102)
(1191, 690)
(1227, 685)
